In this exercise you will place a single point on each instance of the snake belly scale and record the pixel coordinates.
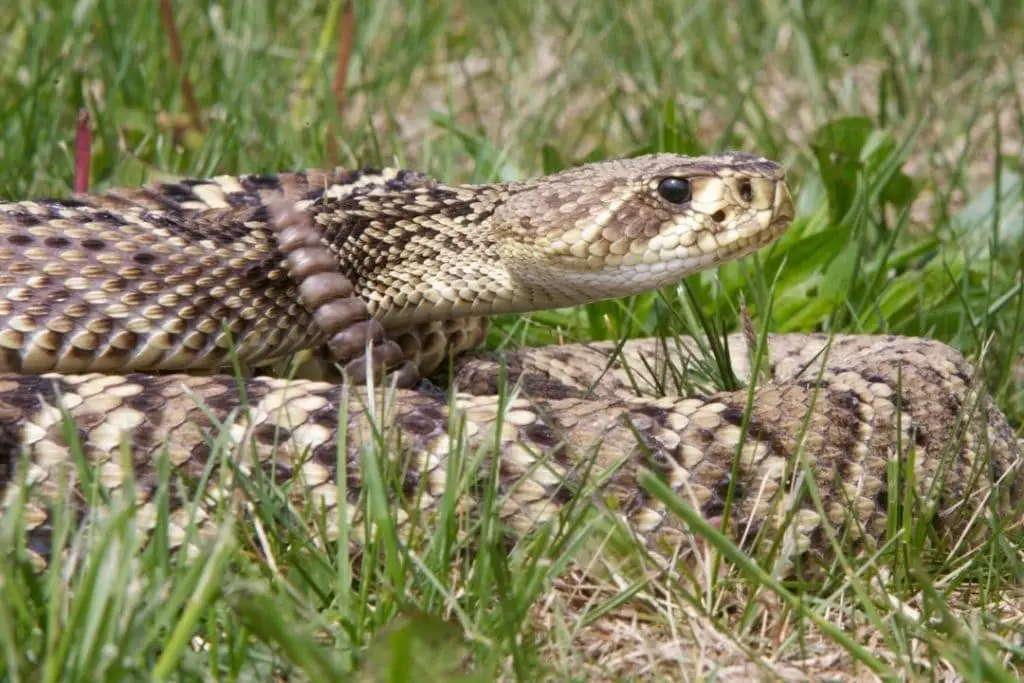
(124, 309)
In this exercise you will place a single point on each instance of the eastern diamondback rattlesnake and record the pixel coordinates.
(100, 292)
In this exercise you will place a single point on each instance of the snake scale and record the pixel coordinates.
(125, 309)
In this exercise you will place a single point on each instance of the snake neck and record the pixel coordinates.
(420, 252)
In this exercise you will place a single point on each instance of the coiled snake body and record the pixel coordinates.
(107, 300)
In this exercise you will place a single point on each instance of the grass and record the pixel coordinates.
(902, 124)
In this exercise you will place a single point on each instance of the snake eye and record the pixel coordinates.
(675, 190)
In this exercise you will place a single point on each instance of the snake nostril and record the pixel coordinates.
(746, 190)
(718, 216)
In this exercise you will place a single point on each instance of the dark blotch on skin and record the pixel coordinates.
(93, 244)
(10, 359)
(239, 200)
(326, 416)
(30, 389)
(563, 494)
(181, 191)
(21, 240)
(109, 218)
(847, 400)
(38, 540)
(996, 474)
(412, 484)
(560, 355)
(66, 203)
(279, 471)
(950, 400)
(256, 272)
(259, 214)
(882, 498)
(326, 454)
(405, 179)
(360, 173)
(10, 449)
(733, 416)
(844, 467)
(658, 460)
(757, 430)
(148, 402)
(434, 413)
(713, 508)
(659, 415)
(353, 483)
(812, 384)
(28, 397)
(904, 403)
(541, 434)
(227, 400)
(25, 219)
(963, 374)
(845, 419)
(270, 434)
(722, 490)
(256, 182)
(143, 441)
(56, 242)
(415, 422)
(751, 531)
(539, 385)
(818, 537)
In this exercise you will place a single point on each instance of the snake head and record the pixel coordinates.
(625, 227)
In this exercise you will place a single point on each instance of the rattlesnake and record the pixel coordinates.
(106, 299)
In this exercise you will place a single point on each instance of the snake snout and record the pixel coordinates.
(737, 199)
(783, 204)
